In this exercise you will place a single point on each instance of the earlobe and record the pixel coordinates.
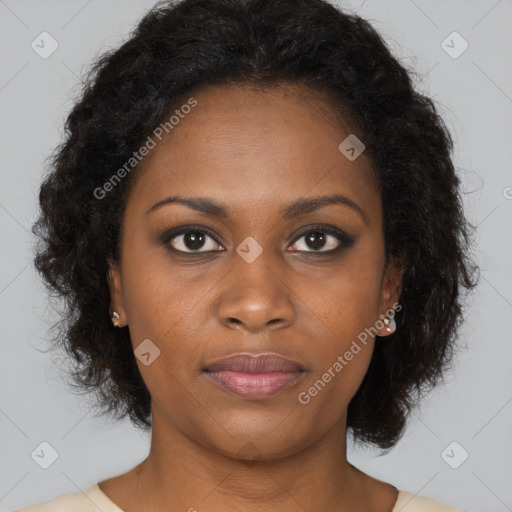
(391, 292)
(116, 311)
(392, 285)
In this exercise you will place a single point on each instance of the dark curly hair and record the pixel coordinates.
(181, 47)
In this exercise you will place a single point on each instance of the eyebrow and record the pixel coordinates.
(289, 211)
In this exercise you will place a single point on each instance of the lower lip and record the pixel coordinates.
(254, 385)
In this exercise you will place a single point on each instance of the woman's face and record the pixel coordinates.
(259, 281)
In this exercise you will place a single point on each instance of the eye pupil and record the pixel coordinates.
(315, 240)
(194, 239)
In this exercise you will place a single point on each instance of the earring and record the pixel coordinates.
(115, 318)
(390, 324)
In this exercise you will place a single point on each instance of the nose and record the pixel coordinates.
(255, 297)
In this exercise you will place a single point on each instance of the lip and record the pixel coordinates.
(254, 376)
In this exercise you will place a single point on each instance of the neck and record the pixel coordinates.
(182, 472)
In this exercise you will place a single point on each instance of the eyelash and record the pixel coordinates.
(344, 240)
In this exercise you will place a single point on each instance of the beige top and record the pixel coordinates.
(95, 500)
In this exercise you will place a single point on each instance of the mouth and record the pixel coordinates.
(254, 377)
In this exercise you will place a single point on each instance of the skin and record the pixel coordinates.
(254, 151)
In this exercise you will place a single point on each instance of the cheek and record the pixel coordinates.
(344, 302)
(159, 302)
(341, 350)
(168, 304)
(342, 312)
(163, 306)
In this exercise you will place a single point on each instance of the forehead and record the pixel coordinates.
(244, 145)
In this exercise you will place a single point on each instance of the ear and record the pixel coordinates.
(391, 289)
(116, 294)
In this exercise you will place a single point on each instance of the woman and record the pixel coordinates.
(256, 225)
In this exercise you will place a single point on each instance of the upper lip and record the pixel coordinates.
(255, 363)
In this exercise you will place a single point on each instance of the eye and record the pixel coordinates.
(192, 239)
(322, 239)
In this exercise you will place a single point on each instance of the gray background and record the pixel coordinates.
(473, 408)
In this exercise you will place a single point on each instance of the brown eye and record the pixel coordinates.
(322, 240)
(192, 240)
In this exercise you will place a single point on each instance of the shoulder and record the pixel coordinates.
(408, 502)
(91, 500)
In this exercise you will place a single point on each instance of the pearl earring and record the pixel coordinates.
(115, 318)
(390, 324)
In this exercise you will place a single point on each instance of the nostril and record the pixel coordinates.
(235, 322)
